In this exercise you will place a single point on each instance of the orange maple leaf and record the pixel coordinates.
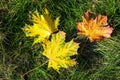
(95, 29)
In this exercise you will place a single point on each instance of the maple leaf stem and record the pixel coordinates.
(22, 76)
(81, 50)
(84, 44)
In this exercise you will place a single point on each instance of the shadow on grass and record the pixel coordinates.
(87, 57)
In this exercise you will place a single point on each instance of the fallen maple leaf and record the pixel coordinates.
(58, 52)
(95, 29)
(43, 26)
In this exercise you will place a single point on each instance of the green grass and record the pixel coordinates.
(97, 61)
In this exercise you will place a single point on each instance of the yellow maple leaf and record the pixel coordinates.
(58, 52)
(96, 29)
(43, 26)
